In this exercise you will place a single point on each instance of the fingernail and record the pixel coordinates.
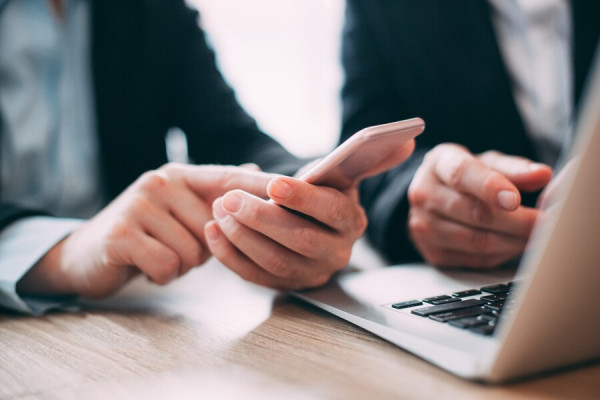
(280, 188)
(218, 211)
(233, 202)
(508, 200)
(212, 232)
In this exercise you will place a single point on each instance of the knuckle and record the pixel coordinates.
(196, 254)
(418, 225)
(361, 222)
(457, 170)
(306, 240)
(169, 268)
(336, 209)
(278, 264)
(120, 230)
(417, 194)
(342, 258)
(140, 205)
(480, 213)
(488, 184)
(249, 275)
(255, 213)
(228, 177)
(154, 181)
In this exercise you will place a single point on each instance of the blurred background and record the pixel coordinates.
(283, 59)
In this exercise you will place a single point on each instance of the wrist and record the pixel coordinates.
(48, 276)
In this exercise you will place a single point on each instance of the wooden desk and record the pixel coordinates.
(211, 335)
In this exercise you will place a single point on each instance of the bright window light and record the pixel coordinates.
(282, 58)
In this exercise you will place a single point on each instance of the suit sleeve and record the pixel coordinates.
(205, 107)
(369, 98)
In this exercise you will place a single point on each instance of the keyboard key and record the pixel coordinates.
(406, 304)
(488, 318)
(427, 311)
(493, 298)
(486, 330)
(465, 323)
(436, 298)
(495, 289)
(444, 301)
(494, 307)
(466, 293)
(467, 312)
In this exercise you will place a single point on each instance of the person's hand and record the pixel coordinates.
(156, 227)
(465, 210)
(295, 247)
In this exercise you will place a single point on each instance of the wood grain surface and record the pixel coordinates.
(211, 335)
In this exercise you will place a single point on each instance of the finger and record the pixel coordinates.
(154, 259)
(211, 181)
(440, 233)
(266, 253)
(524, 173)
(470, 211)
(458, 169)
(232, 258)
(329, 206)
(296, 233)
(191, 211)
(251, 166)
(167, 230)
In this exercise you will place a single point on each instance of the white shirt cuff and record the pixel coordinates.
(22, 244)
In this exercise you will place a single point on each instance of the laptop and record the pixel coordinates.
(499, 325)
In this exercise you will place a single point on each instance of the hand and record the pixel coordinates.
(156, 227)
(465, 210)
(266, 244)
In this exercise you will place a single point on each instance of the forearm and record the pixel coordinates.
(47, 276)
(23, 244)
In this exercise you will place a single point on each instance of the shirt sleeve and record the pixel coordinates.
(22, 244)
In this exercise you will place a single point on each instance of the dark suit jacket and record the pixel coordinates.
(438, 60)
(153, 70)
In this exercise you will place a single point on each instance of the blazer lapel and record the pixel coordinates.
(115, 46)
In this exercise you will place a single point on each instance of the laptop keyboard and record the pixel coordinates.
(476, 310)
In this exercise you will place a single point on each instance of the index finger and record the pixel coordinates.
(212, 181)
(331, 207)
(461, 171)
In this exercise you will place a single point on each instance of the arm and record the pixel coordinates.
(22, 244)
(369, 98)
(383, 85)
(205, 107)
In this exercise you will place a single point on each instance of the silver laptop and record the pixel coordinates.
(497, 326)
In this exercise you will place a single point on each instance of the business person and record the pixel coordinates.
(88, 90)
(498, 83)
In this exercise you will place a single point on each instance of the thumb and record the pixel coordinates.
(525, 174)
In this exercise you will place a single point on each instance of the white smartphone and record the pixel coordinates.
(346, 164)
